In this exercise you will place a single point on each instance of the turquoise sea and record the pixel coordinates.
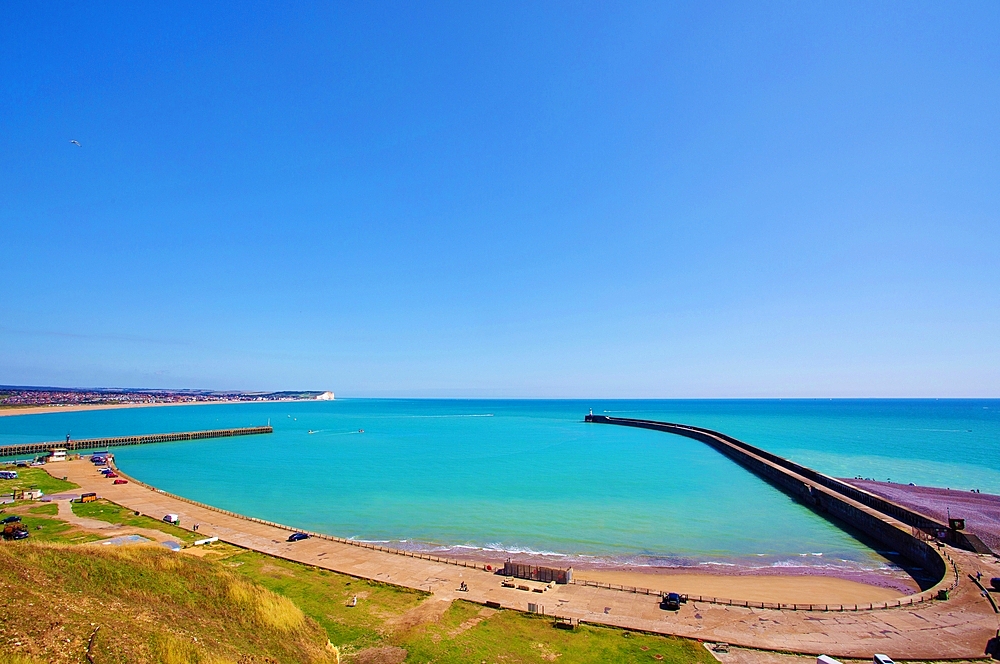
(531, 477)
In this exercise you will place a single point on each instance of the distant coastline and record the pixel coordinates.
(72, 408)
(29, 400)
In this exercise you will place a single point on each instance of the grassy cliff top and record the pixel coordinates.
(151, 604)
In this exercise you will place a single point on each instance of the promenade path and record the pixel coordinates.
(959, 628)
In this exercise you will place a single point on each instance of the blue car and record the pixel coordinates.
(670, 602)
(295, 537)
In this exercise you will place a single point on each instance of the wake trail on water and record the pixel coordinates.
(449, 416)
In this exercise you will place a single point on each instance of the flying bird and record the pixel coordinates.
(76, 143)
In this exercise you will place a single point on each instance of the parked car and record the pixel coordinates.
(111, 474)
(670, 602)
(12, 519)
(295, 537)
(881, 659)
(172, 518)
(121, 481)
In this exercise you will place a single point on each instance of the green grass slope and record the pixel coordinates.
(392, 624)
(151, 605)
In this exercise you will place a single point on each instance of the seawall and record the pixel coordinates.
(900, 529)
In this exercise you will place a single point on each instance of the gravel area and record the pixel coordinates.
(981, 511)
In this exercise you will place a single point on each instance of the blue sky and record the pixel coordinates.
(540, 200)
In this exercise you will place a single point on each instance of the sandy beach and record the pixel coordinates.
(73, 408)
(800, 589)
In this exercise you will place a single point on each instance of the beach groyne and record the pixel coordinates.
(120, 441)
(903, 530)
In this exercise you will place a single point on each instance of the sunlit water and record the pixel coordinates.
(530, 476)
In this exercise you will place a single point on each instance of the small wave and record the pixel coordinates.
(371, 541)
(522, 550)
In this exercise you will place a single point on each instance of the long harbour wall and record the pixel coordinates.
(899, 528)
(119, 441)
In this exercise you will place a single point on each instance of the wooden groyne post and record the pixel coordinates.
(119, 441)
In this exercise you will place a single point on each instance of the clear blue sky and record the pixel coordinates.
(613, 199)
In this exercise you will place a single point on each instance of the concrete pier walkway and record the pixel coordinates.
(119, 441)
(958, 628)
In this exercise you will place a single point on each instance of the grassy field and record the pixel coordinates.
(104, 510)
(36, 477)
(391, 622)
(152, 606)
(324, 595)
(44, 529)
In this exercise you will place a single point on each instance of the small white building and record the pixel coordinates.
(57, 454)
(33, 494)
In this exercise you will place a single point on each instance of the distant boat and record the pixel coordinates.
(311, 431)
(361, 430)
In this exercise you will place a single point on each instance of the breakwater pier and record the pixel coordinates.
(120, 441)
(913, 535)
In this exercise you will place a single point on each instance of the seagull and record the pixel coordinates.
(76, 143)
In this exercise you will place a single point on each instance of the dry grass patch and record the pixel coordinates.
(152, 605)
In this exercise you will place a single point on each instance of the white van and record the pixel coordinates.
(172, 518)
(881, 659)
(826, 659)
(8, 474)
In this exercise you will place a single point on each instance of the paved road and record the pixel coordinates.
(958, 628)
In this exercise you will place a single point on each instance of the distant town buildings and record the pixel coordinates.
(32, 396)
